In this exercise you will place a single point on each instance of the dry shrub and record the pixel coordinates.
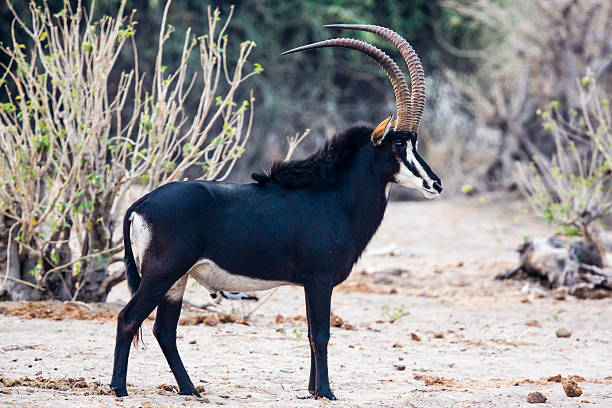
(572, 189)
(525, 55)
(70, 147)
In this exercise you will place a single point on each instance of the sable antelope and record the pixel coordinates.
(305, 222)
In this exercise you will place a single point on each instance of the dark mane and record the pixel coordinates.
(320, 170)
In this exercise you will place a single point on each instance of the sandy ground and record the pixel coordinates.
(431, 328)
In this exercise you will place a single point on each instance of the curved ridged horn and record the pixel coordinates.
(400, 87)
(415, 69)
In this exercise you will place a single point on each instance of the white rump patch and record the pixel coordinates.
(141, 237)
(213, 278)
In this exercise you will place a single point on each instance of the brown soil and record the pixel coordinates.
(60, 384)
(430, 380)
(59, 311)
(289, 319)
(211, 319)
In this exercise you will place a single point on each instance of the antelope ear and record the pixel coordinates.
(381, 131)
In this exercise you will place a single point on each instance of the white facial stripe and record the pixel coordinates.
(407, 179)
(421, 171)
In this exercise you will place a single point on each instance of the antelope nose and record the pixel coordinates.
(437, 186)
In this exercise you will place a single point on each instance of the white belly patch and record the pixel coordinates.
(213, 278)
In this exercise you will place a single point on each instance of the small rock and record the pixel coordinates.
(192, 342)
(571, 388)
(393, 291)
(563, 332)
(383, 280)
(336, 321)
(536, 398)
(348, 326)
(399, 367)
(397, 345)
(561, 293)
(438, 335)
(577, 378)
(555, 378)
(168, 387)
(415, 337)
(533, 323)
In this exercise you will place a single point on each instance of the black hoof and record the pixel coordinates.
(119, 391)
(192, 392)
(329, 395)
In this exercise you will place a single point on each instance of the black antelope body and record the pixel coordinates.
(305, 222)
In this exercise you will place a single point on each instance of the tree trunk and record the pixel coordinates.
(59, 284)
(95, 268)
(15, 266)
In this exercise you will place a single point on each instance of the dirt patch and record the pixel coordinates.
(60, 311)
(361, 287)
(59, 384)
(533, 323)
(430, 380)
(211, 319)
(279, 319)
(171, 388)
(334, 321)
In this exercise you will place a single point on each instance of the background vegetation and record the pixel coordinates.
(503, 78)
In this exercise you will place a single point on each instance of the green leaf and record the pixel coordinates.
(257, 68)
(87, 46)
(571, 231)
(466, 188)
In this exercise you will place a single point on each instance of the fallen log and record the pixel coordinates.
(557, 263)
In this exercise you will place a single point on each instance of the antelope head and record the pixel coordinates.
(399, 137)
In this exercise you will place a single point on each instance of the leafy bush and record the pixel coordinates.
(71, 146)
(572, 189)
